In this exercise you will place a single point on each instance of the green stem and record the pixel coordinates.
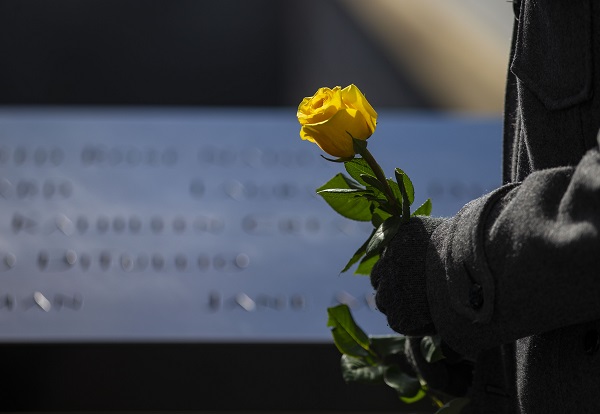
(379, 174)
(434, 398)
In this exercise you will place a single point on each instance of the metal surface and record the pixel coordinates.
(121, 225)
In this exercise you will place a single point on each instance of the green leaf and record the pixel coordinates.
(358, 254)
(408, 185)
(379, 216)
(356, 167)
(424, 209)
(396, 191)
(387, 207)
(359, 144)
(342, 194)
(349, 338)
(385, 345)
(359, 370)
(405, 385)
(373, 182)
(454, 406)
(338, 160)
(341, 181)
(431, 348)
(369, 195)
(383, 235)
(366, 265)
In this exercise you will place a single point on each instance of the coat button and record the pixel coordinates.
(476, 296)
(591, 342)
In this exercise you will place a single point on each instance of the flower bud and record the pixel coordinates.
(332, 117)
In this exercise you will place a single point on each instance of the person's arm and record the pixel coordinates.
(521, 260)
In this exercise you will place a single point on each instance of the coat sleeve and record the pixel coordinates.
(522, 260)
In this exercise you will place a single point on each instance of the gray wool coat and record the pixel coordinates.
(512, 281)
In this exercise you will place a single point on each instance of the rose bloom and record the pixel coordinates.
(332, 117)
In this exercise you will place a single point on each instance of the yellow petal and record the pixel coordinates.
(334, 136)
(320, 107)
(354, 98)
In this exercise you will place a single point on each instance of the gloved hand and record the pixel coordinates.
(399, 278)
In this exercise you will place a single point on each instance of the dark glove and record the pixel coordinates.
(399, 278)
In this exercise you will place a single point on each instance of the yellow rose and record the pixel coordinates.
(332, 116)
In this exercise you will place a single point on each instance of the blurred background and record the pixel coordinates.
(417, 54)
